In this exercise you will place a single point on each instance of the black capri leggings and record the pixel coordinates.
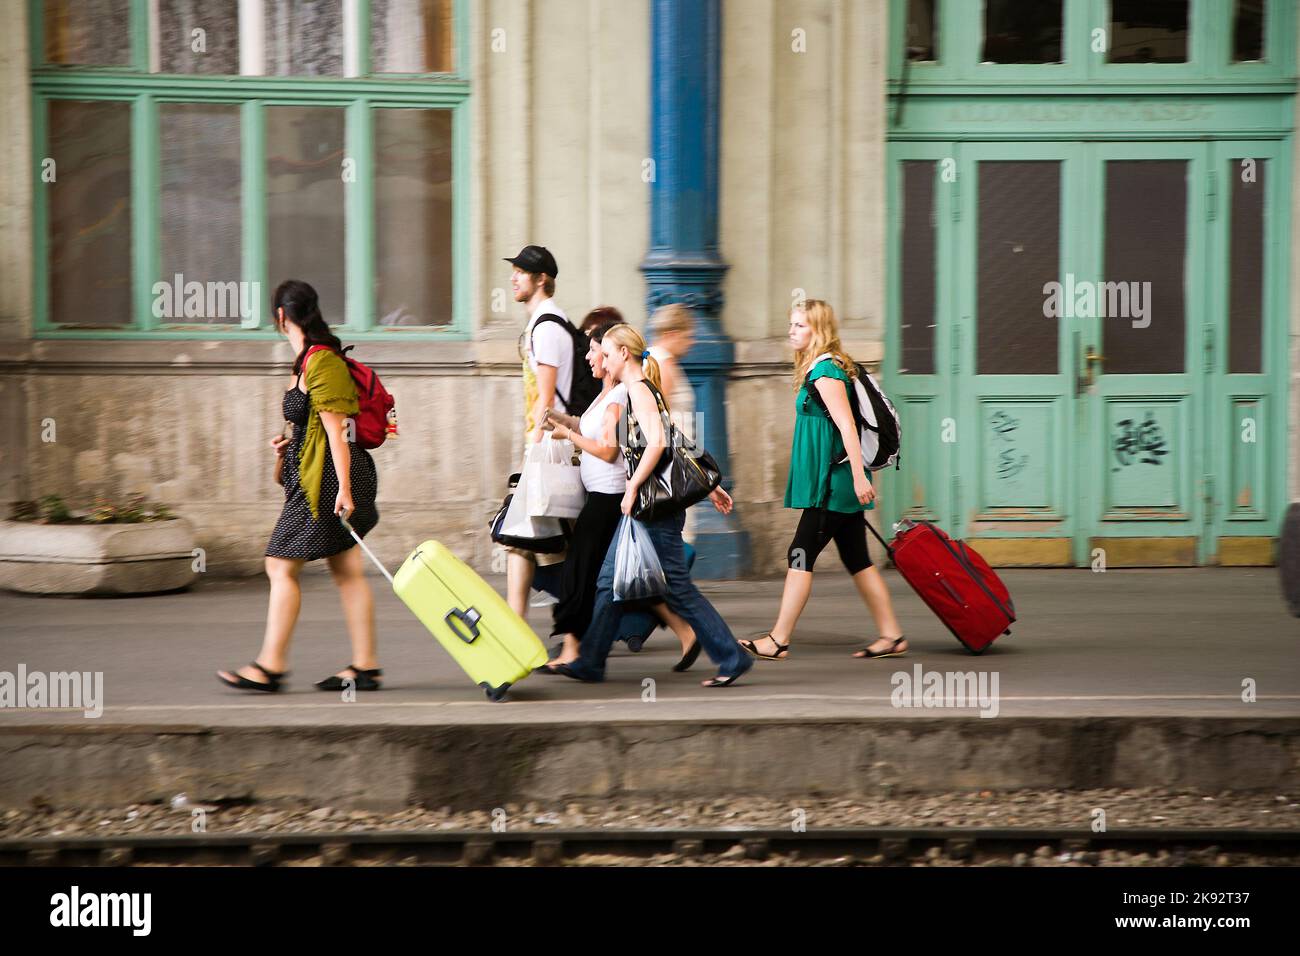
(818, 527)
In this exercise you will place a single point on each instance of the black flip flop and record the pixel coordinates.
(243, 683)
(867, 655)
(689, 658)
(365, 680)
(721, 681)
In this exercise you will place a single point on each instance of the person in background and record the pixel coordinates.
(671, 331)
(601, 317)
(547, 352)
(604, 475)
(325, 477)
(829, 482)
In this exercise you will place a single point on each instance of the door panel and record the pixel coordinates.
(1246, 356)
(1019, 234)
(922, 184)
(1015, 450)
(1146, 400)
(1144, 249)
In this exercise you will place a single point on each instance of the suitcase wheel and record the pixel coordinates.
(495, 694)
(1007, 632)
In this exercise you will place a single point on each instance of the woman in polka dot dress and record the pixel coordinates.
(318, 405)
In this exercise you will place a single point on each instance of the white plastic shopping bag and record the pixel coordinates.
(638, 576)
(519, 523)
(554, 482)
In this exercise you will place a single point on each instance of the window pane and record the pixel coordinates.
(1020, 32)
(304, 202)
(198, 36)
(922, 32)
(90, 213)
(1248, 31)
(413, 200)
(304, 38)
(1246, 267)
(1148, 31)
(1019, 253)
(85, 32)
(201, 215)
(412, 36)
(917, 266)
(1143, 314)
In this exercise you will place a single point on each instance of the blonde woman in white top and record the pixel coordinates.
(604, 475)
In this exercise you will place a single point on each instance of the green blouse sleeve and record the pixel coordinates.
(827, 368)
(330, 389)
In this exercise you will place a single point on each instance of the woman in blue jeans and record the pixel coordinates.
(629, 361)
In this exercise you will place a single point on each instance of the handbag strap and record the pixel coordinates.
(664, 417)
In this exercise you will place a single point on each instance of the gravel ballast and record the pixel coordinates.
(1124, 810)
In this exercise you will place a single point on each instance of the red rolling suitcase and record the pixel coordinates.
(954, 581)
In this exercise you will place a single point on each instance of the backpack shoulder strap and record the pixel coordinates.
(311, 350)
(812, 391)
(568, 326)
(817, 361)
(548, 317)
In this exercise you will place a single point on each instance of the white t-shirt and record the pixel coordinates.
(606, 477)
(551, 345)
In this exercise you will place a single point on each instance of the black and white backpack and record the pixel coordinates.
(879, 431)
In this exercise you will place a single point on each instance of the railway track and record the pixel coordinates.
(896, 845)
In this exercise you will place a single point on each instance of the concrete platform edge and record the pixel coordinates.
(483, 766)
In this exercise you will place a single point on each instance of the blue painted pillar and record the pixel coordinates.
(683, 264)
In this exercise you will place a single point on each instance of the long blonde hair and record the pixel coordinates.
(624, 336)
(825, 338)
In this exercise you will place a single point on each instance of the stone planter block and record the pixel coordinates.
(96, 559)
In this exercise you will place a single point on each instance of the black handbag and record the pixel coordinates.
(553, 545)
(685, 475)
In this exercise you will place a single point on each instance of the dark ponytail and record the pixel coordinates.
(301, 307)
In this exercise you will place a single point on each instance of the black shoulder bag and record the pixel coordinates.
(686, 474)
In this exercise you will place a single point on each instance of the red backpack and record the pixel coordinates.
(374, 400)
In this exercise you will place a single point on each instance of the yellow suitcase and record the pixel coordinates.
(491, 643)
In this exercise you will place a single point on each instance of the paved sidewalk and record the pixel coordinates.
(1175, 642)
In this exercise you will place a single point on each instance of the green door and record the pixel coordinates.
(1140, 305)
(1246, 349)
(1083, 352)
(1017, 456)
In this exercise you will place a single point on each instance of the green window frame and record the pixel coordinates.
(359, 97)
(960, 36)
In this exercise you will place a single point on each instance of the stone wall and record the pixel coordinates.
(560, 132)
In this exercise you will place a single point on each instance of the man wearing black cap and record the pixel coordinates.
(548, 374)
(548, 346)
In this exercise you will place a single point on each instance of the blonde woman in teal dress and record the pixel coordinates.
(829, 482)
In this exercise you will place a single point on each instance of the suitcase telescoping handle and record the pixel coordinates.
(357, 538)
(464, 624)
(888, 548)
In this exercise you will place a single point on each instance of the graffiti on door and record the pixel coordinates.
(1141, 442)
(1010, 460)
